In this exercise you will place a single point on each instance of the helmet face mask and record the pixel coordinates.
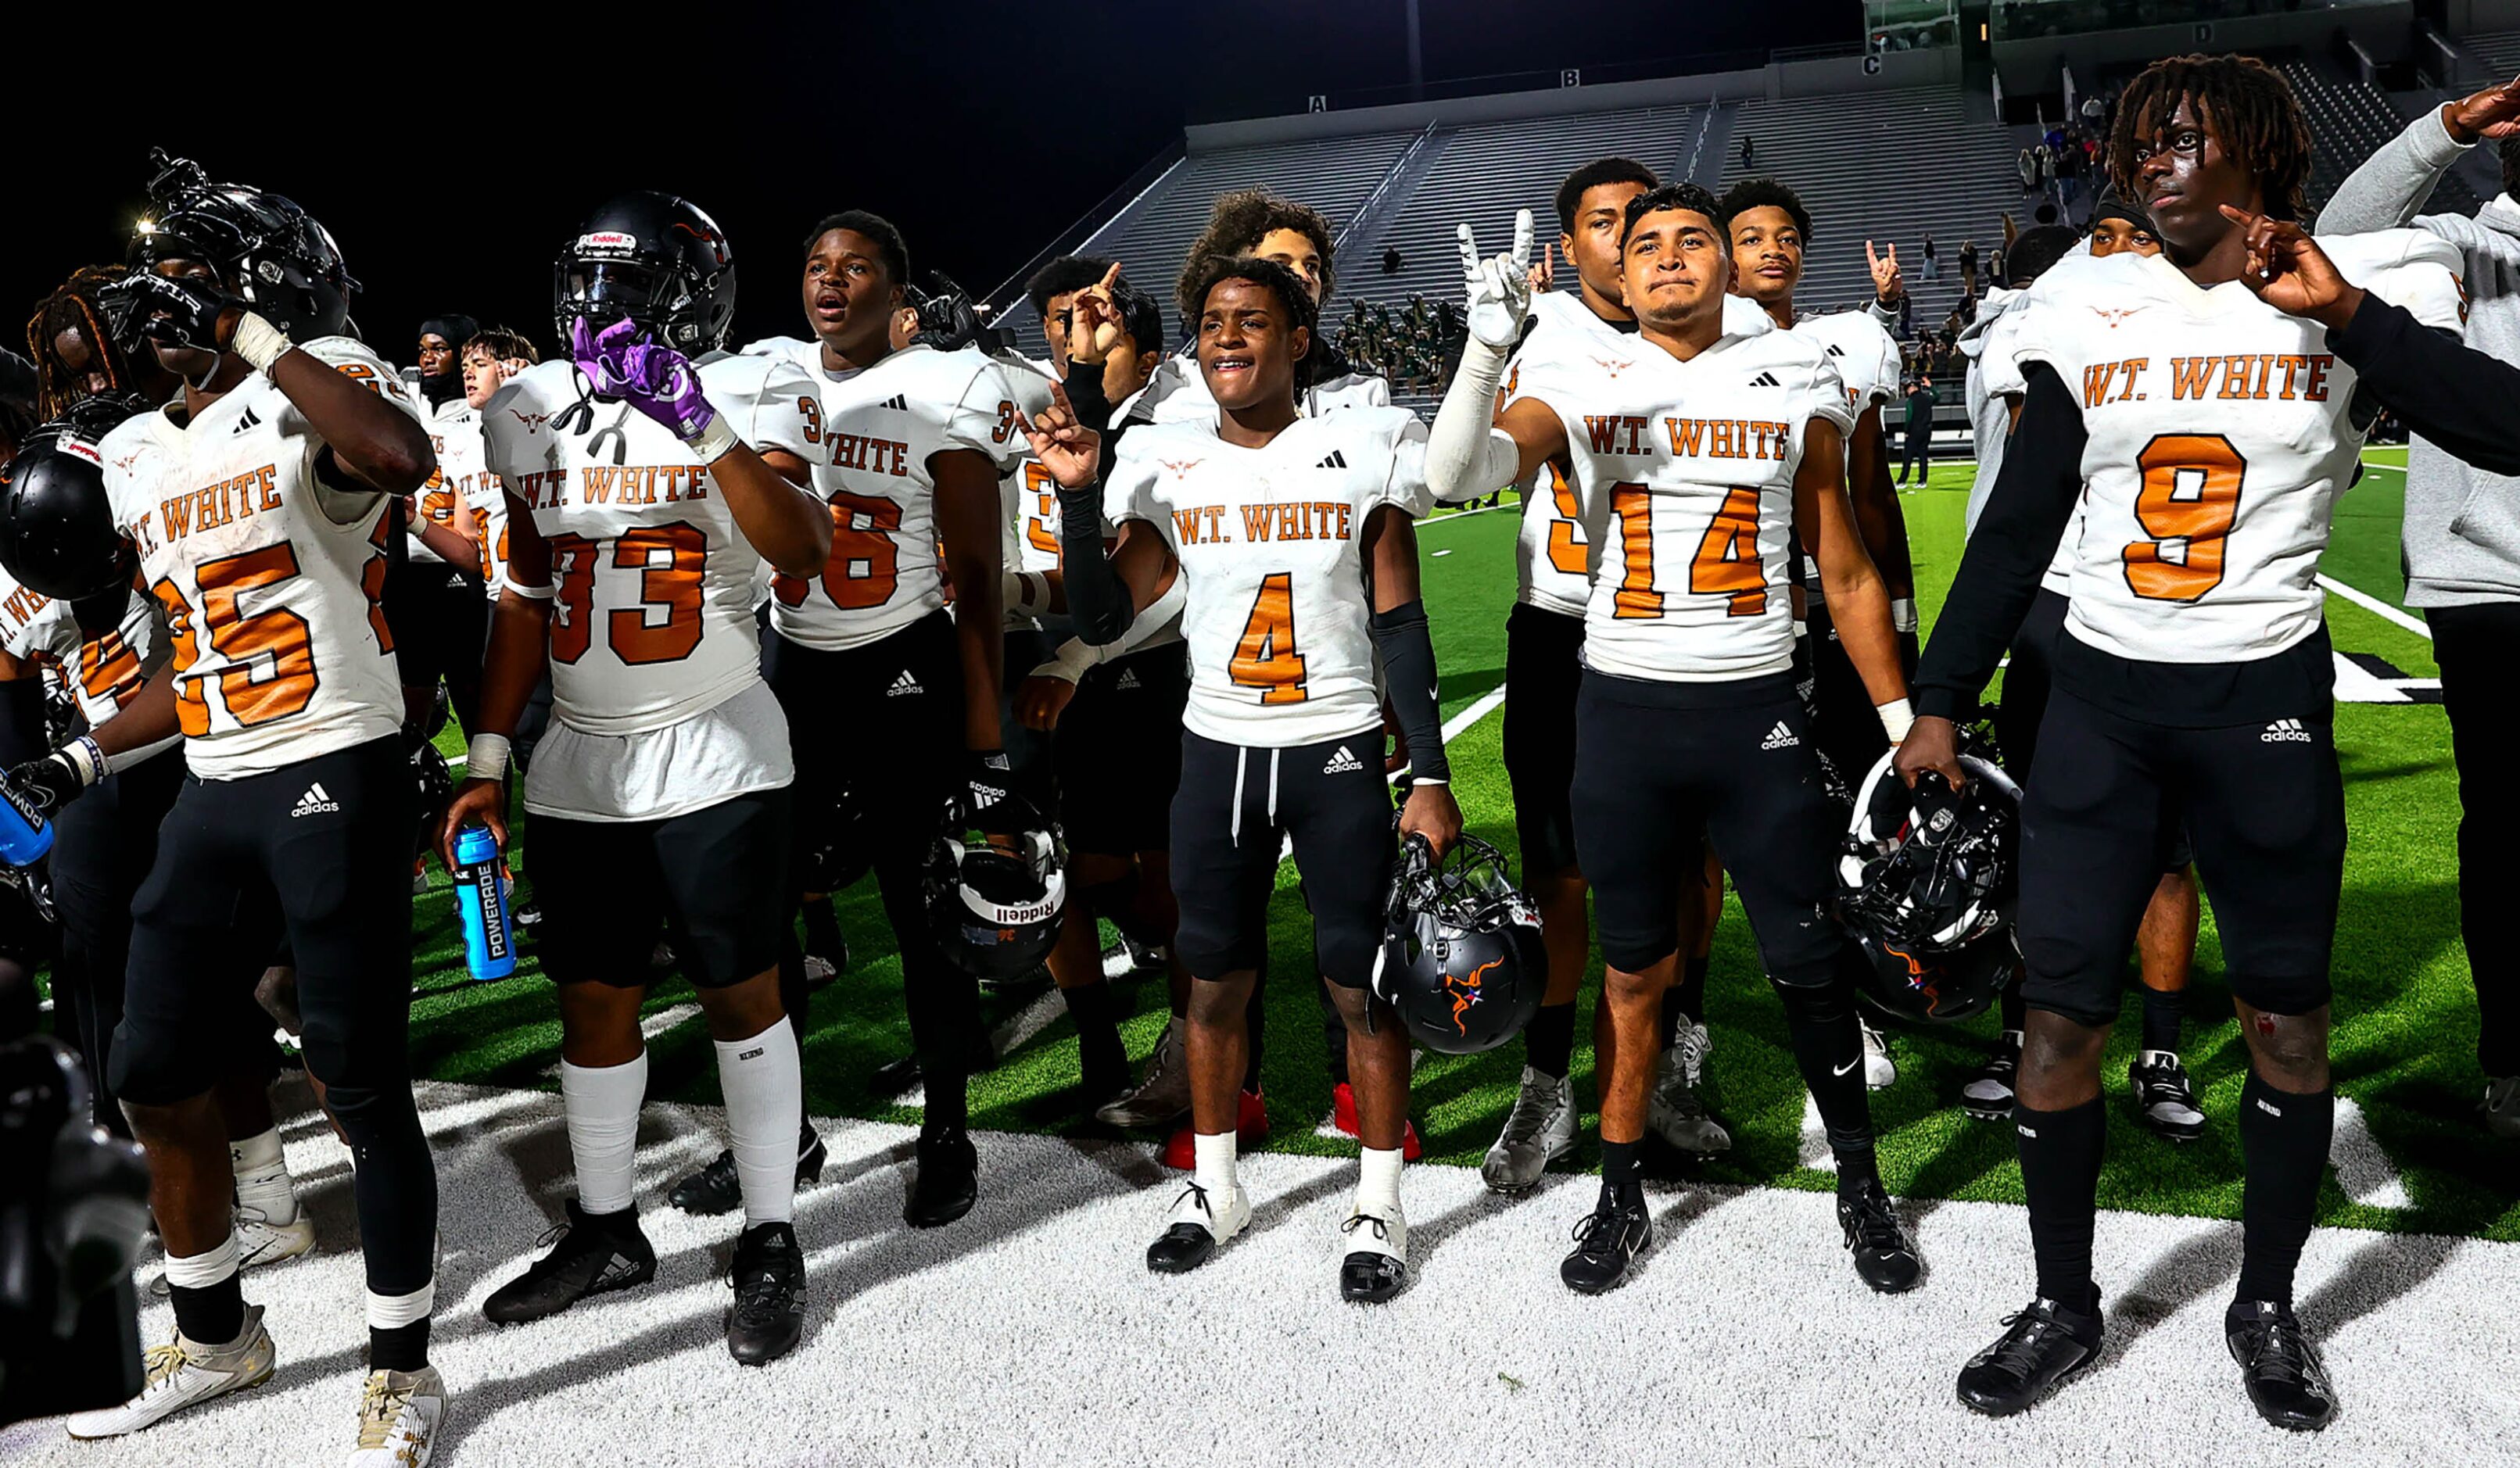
(996, 887)
(651, 258)
(1461, 961)
(1925, 888)
(264, 247)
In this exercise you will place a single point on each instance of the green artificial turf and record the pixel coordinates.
(2406, 1032)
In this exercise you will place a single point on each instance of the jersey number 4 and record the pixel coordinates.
(1727, 563)
(669, 559)
(1266, 657)
(2189, 497)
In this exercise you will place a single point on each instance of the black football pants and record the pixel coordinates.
(2474, 646)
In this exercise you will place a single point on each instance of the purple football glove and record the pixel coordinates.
(657, 381)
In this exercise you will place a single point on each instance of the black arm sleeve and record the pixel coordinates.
(2026, 515)
(1084, 385)
(2449, 392)
(1099, 604)
(21, 721)
(1407, 652)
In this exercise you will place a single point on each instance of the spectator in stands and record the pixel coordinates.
(2096, 115)
(1747, 155)
(1920, 430)
(2462, 527)
(2069, 176)
(1391, 262)
(2027, 165)
(1968, 267)
(1933, 261)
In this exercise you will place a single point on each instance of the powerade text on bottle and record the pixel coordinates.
(25, 836)
(489, 944)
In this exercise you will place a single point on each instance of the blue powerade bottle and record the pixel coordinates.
(489, 944)
(25, 836)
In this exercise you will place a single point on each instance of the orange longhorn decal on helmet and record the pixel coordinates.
(1466, 991)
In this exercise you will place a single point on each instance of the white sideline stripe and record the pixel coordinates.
(2378, 607)
(1814, 1150)
(2356, 684)
(1026, 1022)
(2363, 1166)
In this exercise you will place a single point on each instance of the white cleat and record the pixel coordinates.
(1880, 1072)
(1537, 1131)
(399, 1414)
(1373, 1262)
(1673, 1110)
(260, 1241)
(181, 1374)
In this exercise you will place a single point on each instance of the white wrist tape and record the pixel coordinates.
(1071, 662)
(86, 759)
(1897, 718)
(1903, 613)
(711, 442)
(486, 757)
(259, 343)
(1026, 592)
(530, 593)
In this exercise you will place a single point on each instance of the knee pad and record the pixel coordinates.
(1822, 1004)
(2280, 994)
(1209, 950)
(1347, 953)
(151, 1070)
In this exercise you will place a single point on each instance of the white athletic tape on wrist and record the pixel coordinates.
(1026, 592)
(86, 759)
(259, 343)
(532, 593)
(1897, 718)
(1903, 613)
(712, 441)
(486, 757)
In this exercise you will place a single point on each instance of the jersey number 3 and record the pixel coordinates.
(1266, 657)
(2189, 497)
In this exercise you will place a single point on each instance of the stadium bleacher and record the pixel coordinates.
(2351, 119)
(2499, 48)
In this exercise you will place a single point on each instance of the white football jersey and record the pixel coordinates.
(268, 576)
(1866, 356)
(873, 435)
(1030, 494)
(1276, 608)
(1683, 473)
(455, 432)
(102, 673)
(1178, 393)
(2221, 432)
(652, 578)
(1551, 557)
(486, 499)
(1993, 380)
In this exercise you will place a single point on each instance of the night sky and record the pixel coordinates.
(452, 168)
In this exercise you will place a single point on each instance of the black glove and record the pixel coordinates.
(47, 785)
(36, 882)
(170, 310)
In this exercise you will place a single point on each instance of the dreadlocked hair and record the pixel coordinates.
(1236, 224)
(2247, 106)
(73, 307)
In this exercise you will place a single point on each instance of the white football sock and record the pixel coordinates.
(1377, 1181)
(392, 1311)
(602, 1106)
(262, 1181)
(765, 1092)
(200, 1271)
(1214, 1168)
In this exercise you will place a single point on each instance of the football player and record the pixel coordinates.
(644, 488)
(1257, 223)
(76, 354)
(257, 501)
(1293, 538)
(1695, 454)
(1770, 229)
(1544, 667)
(440, 625)
(2165, 1099)
(2206, 435)
(887, 694)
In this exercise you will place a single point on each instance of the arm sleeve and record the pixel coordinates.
(2450, 393)
(1407, 655)
(2026, 515)
(1085, 395)
(1099, 604)
(1467, 455)
(2394, 182)
(21, 719)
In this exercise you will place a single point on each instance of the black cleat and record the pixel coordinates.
(2164, 1100)
(1988, 1093)
(768, 1316)
(2043, 1347)
(1374, 1271)
(715, 1188)
(1195, 1230)
(2286, 1382)
(1607, 1242)
(1885, 1257)
(948, 1178)
(585, 1256)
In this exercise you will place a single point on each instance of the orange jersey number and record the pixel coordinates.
(1566, 552)
(1728, 560)
(1045, 492)
(2191, 496)
(274, 643)
(866, 562)
(1636, 596)
(109, 669)
(1266, 657)
(670, 560)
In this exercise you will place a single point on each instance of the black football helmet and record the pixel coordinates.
(1925, 887)
(1461, 960)
(266, 249)
(436, 787)
(995, 886)
(656, 259)
(58, 536)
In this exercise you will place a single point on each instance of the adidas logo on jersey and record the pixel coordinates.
(316, 801)
(899, 403)
(1836, 350)
(1342, 762)
(1127, 679)
(1336, 459)
(246, 423)
(1779, 737)
(905, 683)
(1765, 380)
(2284, 731)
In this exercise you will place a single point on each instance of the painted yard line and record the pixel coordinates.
(1025, 1023)
(2378, 607)
(2363, 1166)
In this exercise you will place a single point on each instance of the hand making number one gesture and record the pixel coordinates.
(1499, 289)
(1071, 452)
(2289, 272)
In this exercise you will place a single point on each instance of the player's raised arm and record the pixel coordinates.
(1474, 450)
(1104, 593)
